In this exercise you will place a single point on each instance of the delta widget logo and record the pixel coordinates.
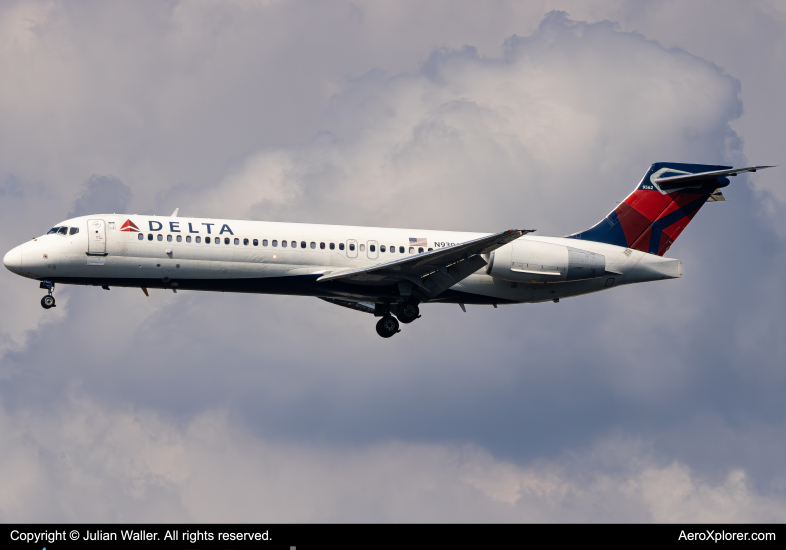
(129, 226)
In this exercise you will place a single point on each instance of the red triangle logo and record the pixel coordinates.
(129, 226)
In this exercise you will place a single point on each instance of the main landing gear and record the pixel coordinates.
(407, 313)
(389, 325)
(48, 300)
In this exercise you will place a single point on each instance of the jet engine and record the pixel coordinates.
(539, 262)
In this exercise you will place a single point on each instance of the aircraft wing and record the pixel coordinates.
(430, 273)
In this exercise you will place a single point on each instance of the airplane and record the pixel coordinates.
(385, 272)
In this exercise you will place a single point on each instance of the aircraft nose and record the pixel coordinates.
(13, 260)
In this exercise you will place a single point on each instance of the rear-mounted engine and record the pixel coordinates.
(538, 262)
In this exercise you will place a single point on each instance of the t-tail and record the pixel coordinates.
(652, 217)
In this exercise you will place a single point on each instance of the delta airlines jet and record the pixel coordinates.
(382, 271)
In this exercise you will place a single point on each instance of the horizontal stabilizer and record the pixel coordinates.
(695, 180)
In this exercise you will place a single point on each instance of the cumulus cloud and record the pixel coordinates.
(498, 141)
(126, 465)
(661, 402)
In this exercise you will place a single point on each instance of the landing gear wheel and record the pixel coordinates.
(387, 327)
(407, 313)
(48, 301)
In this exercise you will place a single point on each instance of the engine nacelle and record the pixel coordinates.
(537, 262)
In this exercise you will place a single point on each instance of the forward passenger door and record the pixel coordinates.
(96, 237)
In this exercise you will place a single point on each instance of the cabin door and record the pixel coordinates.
(96, 237)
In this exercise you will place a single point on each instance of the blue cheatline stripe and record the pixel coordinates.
(659, 225)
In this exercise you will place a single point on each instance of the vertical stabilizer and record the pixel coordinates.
(668, 197)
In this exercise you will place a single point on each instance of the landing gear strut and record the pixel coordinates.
(48, 300)
(387, 326)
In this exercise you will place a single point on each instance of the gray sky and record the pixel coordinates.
(657, 402)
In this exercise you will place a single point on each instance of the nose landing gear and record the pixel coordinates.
(48, 300)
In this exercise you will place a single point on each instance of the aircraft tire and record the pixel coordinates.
(47, 301)
(407, 313)
(387, 327)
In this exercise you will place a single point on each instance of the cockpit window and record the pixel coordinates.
(62, 231)
(75, 230)
(53, 230)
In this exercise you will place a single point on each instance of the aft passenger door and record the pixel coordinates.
(96, 237)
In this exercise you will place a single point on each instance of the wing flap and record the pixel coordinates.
(365, 307)
(439, 281)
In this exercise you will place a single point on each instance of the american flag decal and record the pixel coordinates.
(417, 242)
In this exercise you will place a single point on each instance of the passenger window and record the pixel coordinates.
(141, 237)
(372, 248)
(332, 246)
(75, 230)
(401, 249)
(217, 240)
(188, 238)
(341, 246)
(430, 249)
(382, 248)
(302, 244)
(207, 240)
(420, 250)
(63, 231)
(322, 246)
(283, 244)
(179, 238)
(149, 236)
(198, 239)
(264, 242)
(256, 242)
(313, 244)
(160, 237)
(362, 248)
(351, 246)
(411, 249)
(226, 240)
(237, 241)
(169, 238)
(275, 243)
(294, 244)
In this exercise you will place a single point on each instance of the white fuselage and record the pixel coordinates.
(249, 256)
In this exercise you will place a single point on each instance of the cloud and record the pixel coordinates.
(102, 194)
(497, 141)
(127, 465)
